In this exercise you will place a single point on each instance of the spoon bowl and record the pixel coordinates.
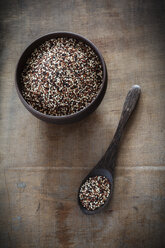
(105, 167)
(97, 172)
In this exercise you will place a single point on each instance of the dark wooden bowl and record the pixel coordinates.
(65, 118)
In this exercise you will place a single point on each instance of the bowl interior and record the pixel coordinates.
(27, 53)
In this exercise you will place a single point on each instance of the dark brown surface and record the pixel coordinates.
(43, 165)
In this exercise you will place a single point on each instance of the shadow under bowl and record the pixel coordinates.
(65, 118)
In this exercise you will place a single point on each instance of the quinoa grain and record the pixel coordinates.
(61, 77)
(94, 192)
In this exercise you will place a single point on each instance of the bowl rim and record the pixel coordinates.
(66, 34)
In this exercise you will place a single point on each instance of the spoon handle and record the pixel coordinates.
(130, 102)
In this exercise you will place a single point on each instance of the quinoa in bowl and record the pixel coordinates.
(61, 77)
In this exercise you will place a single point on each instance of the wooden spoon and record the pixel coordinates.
(105, 167)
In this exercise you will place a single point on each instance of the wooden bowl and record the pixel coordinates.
(65, 118)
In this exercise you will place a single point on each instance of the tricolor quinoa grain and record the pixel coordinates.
(94, 192)
(61, 77)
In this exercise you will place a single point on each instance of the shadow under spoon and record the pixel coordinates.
(105, 167)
